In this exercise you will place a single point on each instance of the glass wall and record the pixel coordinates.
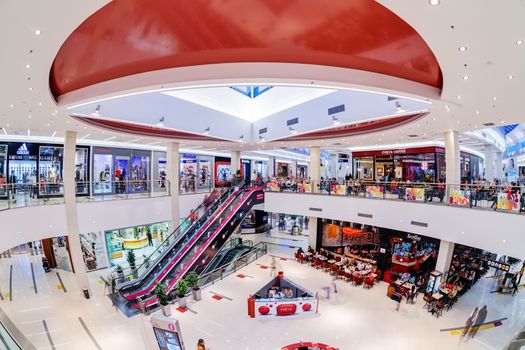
(141, 239)
(364, 168)
(3, 170)
(94, 250)
(50, 169)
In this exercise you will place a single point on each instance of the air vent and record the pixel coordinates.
(337, 144)
(489, 124)
(263, 131)
(413, 135)
(336, 109)
(417, 223)
(315, 209)
(292, 121)
(369, 216)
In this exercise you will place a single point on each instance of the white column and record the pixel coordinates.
(312, 232)
(235, 162)
(498, 166)
(333, 166)
(315, 158)
(68, 176)
(253, 175)
(172, 175)
(489, 163)
(446, 249)
(452, 157)
(294, 168)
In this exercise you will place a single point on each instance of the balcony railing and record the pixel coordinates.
(502, 198)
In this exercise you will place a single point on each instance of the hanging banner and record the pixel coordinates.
(273, 187)
(459, 198)
(415, 194)
(508, 202)
(340, 190)
(305, 187)
(374, 191)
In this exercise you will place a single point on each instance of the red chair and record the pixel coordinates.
(341, 274)
(334, 269)
(337, 258)
(358, 279)
(326, 266)
(369, 282)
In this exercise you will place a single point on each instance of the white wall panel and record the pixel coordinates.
(23, 225)
(498, 232)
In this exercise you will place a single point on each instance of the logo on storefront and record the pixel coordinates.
(393, 151)
(22, 150)
(414, 237)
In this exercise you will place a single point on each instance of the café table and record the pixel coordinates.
(308, 254)
(437, 296)
(331, 261)
(408, 285)
(444, 290)
(339, 264)
(322, 258)
(398, 283)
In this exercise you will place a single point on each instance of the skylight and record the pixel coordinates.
(251, 91)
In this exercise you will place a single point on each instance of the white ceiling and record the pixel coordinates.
(230, 101)
(488, 29)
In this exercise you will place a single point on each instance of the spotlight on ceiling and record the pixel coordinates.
(292, 130)
(207, 131)
(97, 110)
(335, 120)
(241, 138)
(434, 2)
(261, 138)
(161, 122)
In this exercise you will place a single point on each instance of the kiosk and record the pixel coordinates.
(167, 333)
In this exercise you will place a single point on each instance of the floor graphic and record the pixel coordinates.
(477, 327)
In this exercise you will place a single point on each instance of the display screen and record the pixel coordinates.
(167, 340)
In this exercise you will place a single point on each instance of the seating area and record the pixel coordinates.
(346, 268)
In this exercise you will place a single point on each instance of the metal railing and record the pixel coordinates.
(227, 269)
(502, 198)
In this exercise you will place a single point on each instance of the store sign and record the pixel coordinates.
(508, 202)
(393, 151)
(414, 237)
(189, 156)
(459, 198)
(498, 265)
(22, 150)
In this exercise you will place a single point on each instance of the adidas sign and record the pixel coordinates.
(22, 150)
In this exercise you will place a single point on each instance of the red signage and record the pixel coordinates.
(286, 309)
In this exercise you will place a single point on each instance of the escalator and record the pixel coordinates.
(228, 253)
(195, 248)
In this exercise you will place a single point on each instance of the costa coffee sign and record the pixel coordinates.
(389, 152)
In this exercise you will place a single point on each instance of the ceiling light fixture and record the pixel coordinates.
(54, 133)
(11, 105)
(207, 131)
(37, 32)
(399, 109)
(477, 112)
(261, 138)
(28, 132)
(28, 66)
(86, 136)
(510, 77)
(465, 77)
(462, 48)
(335, 120)
(161, 122)
(97, 110)
(241, 138)
(5, 132)
(30, 89)
(459, 97)
(30, 116)
(519, 42)
(434, 2)
(292, 130)
(111, 138)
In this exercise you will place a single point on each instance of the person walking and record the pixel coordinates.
(514, 284)
(201, 345)
(480, 319)
(470, 320)
(521, 273)
(150, 238)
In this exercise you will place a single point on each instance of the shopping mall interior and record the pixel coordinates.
(264, 174)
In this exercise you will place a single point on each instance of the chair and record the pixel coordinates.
(369, 282)
(348, 277)
(326, 266)
(341, 274)
(358, 279)
(334, 270)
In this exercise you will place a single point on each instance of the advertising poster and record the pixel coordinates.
(102, 173)
(332, 235)
(307, 188)
(459, 198)
(415, 194)
(223, 173)
(508, 202)
(374, 191)
(273, 187)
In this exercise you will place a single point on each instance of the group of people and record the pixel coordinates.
(276, 292)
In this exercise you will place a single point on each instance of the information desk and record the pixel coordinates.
(308, 346)
(135, 243)
(408, 264)
(282, 297)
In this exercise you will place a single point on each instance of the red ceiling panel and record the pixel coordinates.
(127, 37)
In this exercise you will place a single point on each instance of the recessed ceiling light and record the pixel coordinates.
(28, 66)
(48, 124)
(7, 125)
(29, 116)
(465, 77)
(494, 98)
(37, 32)
(477, 112)
(433, 118)
(40, 103)
(462, 48)
(30, 89)
(11, 105)
(434, 2)
(519, 42)
(510, 77)
(459, 97)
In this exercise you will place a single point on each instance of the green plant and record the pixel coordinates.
(131, 258)
(181, 288)
(160, 293)
(192, 279)
(119, 269)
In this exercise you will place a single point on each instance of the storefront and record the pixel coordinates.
(302, 171)
(141, 239)
(284, 169)
(195, 172)
(223, 174)
(261, 168)
(246, 169)
(411, 164)
(43, 163)
(94, 250)
(3, 170)
(112, 164)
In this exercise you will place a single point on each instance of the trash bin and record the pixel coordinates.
(86, 293)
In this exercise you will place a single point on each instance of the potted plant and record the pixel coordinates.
(120, 273)
(131, 260)
(181, 290)
(192, 279)
(162, 298)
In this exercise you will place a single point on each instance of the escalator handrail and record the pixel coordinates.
(167, 249)
(211, 238)
(184, 250)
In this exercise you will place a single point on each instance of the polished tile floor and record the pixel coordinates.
(354, 318)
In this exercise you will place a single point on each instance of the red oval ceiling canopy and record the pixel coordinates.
(127, 37)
